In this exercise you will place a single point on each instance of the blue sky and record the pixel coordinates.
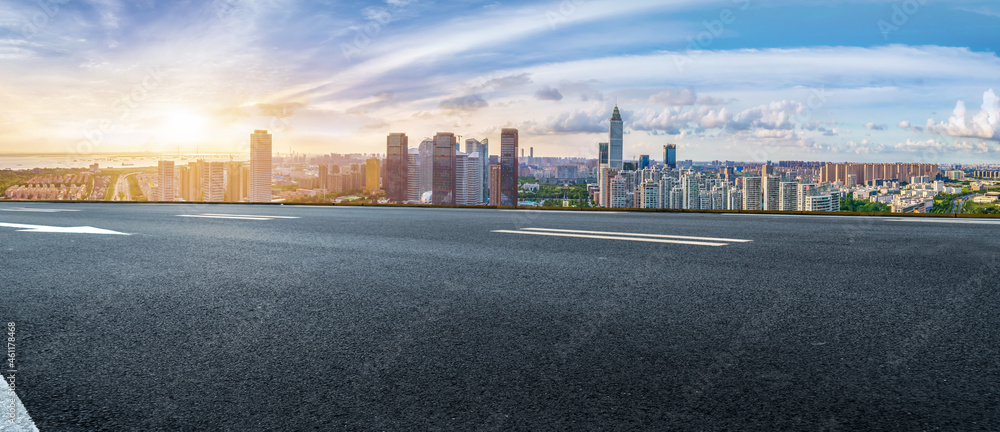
(753, 80)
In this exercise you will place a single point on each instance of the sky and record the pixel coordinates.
(742, 80)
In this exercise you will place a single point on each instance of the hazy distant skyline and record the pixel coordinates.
(864, 80)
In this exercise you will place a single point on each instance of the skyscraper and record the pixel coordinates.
(396, 163)
(643, 161)
(260, 167)
(213, 182)
(602, 152)
(444, 169)
(508, 167)
(494, 185)
(475, 146)
(617, 133)
(413, 175)
(323, 174)
(461, 179)
(789, 199)
(166, 190)
(426, 166)
(670, 156)
(234, 182)
(373, 175)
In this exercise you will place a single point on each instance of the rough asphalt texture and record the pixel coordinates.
(423, 319)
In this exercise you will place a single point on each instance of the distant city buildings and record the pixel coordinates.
(166, 189)
(444, 169)
(397, 164)
(260, 167)
(508, 167)
(616, 135)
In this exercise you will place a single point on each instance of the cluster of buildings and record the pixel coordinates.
(220, 181)
(71, 187)
(438, 172)
(640, 184)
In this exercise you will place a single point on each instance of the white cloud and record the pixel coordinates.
(962, 124)
(874, 126)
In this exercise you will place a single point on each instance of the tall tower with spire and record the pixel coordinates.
(617, 133)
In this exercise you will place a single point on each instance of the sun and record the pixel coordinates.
(183, 126)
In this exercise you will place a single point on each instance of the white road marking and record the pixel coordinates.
(22, 421)
(563, 211)
(948, 220)
(728, 240)
(37, 210)
(238, 217)
(63, 230)
(602, 237)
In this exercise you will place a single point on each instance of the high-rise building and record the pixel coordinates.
(618, 192)
(444, 169)
(495, 174)
(602, 154)
(770, 192)
(692, 192)
(426, 165)
(260, 167)
(531, 155)
(166, 171)
(475, 146)
(616, 138)
(789, 199)
(234, 182)
(213, 182)
(643, 161)
(373, 175)
(474, 180)
(413, 191)
(508, 167)
(751, 193)
(670, 156)
(461, 179)
(396, 164)
(323, 175)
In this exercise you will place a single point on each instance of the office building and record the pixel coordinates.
(166, 190)
(426, 166)
(260, 167)
(495, 174)
(602, 154)
(373, 175)
(643, 161)
(396, 164)
(413, 191)
(616, 137)
(213, 182)
(508, 167)
(234, 182)
(443, 186)
(670, 156)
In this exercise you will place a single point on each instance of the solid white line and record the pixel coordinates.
(37, 210)
(252, 216)
(563, 211)
(640, 235)
(225, 217)
(952, 221)
(22, 421)
(648, 240)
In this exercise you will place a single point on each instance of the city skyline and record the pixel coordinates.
(721, 77)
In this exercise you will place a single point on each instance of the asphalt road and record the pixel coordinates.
(337, 318)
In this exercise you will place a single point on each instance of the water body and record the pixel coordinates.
(19, 162)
